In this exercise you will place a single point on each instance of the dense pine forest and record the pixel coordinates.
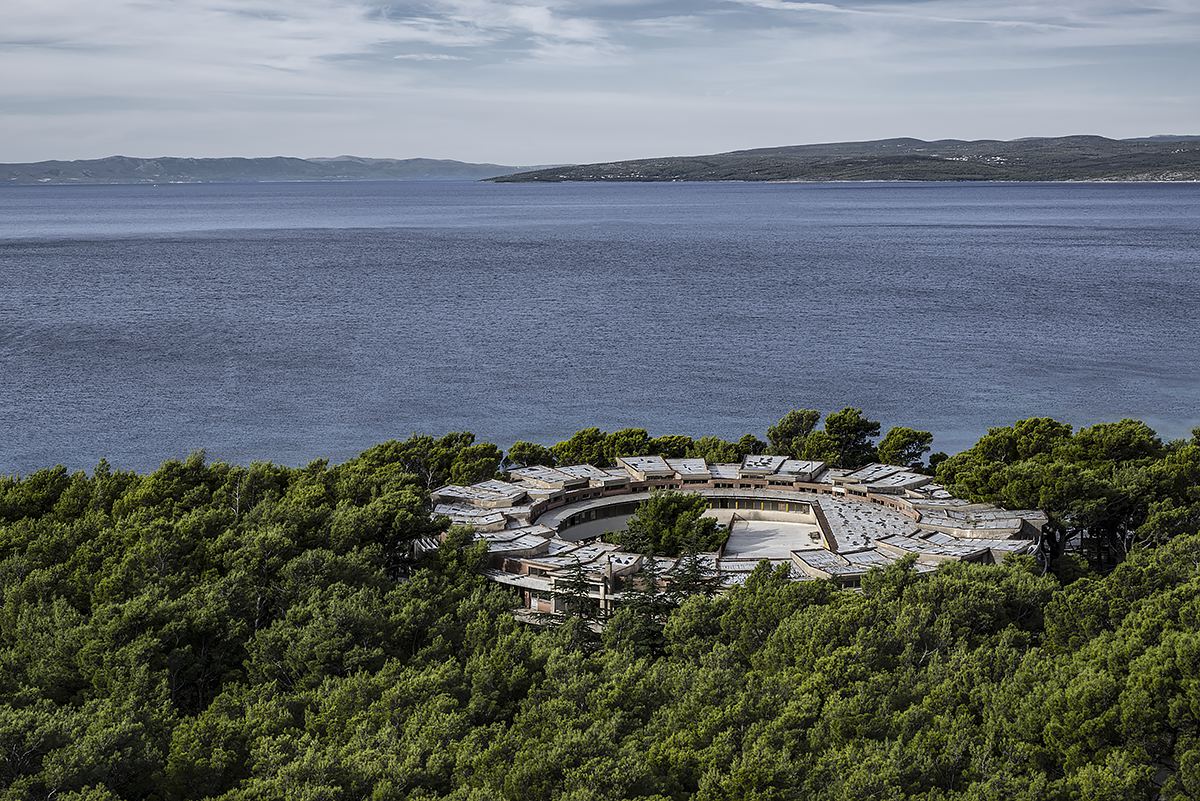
(212, 631)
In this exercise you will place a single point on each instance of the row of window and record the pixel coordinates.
(614, 510)
(797, 507)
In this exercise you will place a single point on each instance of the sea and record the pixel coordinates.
(297, 321)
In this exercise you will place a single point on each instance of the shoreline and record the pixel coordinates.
(1121, 181)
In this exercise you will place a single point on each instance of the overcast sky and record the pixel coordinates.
(579, 80)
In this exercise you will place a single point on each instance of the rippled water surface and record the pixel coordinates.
(298, 321)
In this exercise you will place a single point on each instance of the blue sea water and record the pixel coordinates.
(299, 321)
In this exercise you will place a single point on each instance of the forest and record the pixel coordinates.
(217, 631)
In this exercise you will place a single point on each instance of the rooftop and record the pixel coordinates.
(872, 472)
(689, 468)
(646, 465)
(821, 521)
(547, 476)
(725, 471)
(595, 475)
(761, 465)
(800, 467)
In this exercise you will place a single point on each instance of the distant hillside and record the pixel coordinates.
(127, 170)
(1067, 158)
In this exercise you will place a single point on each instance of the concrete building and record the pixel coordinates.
(545, 524)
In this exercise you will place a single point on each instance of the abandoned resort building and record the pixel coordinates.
(546, 523)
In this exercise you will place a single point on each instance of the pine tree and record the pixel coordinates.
(692, 575)
(577, 614)
(572, 595)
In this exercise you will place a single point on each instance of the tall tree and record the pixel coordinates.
(905, 446)
(786, 437)
(693, 574)
(671, 446)
(636, 628)
(1095, 485)
(749, 445)
(528, 454)
(714, 450)
(575, 607)
(585, 446)
(475, 463)
(668, 522)
(820, 446)
(626, 442)
(853, 432)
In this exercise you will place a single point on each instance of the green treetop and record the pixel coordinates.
(668, 523)
(904, 446)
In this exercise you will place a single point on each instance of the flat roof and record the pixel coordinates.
(689, 467)
(937, 503)
(558, 546)
(543, 493)
(583, 471)
(856, 524)
(623, 559)
(874, 472)
(903, 479)
(523, 580)
(724, 471)
(566, 557)
(762, 465)
(465, 510)
(851, 563)
(486, 491)
(768, 539)
(523, 542)
(868, 558)
(935, 491)
(1015, 546)
(501, 488)
(981, 519)
(831, 475)
(516, 531)
(646, 464)
(595, 474)
(801, 467)
(827, 562)
(545, 474)
(920, 546)
(469, 515)
(517, 511)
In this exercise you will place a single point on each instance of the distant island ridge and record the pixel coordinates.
(1064, 158)
(167, 169)
(1174, 158)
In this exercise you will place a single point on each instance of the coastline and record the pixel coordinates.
(859, 181)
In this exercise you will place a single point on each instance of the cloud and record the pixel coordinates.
(429, 57)
(674, 26)
(897, 13)
(580, 79)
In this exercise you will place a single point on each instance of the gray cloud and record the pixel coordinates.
(896, 13)
(566, 80)
(428, 57)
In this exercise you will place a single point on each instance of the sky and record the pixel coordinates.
(557, 81)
